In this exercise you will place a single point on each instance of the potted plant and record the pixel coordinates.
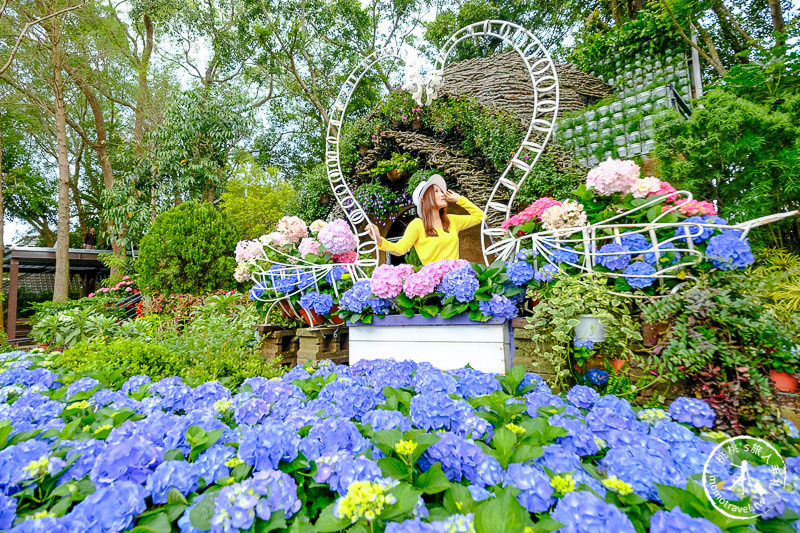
(783, 364)
(399, 166)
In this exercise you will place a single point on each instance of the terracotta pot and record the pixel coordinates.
(287, 309)
(311, 317)
(336, 319)
(43, 346)
(618, 364)
(783, 382)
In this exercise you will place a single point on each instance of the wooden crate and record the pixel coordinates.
(277, 342)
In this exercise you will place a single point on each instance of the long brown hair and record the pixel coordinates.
(430, 212)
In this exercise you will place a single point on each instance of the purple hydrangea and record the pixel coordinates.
(460, 283)
(349, 470)
(278, 491)
(582, 396)
(636, 269)
(330, 436)
(337, 237)
(583, 512)
(536, 493)
(436, 410)
(490, 472)
(355, 298)
(265, 446)
(320, 302)
(129, 459)
(698, 234)
(459, 457)
(178, 475)
(234, 508)
(676, 521)
(564, 255)
(8, 511)
(210, 465)
(519, 272)
(82, 385)
(597, 376)
(546, 273)
(579, 439)
(729, 251)
(634, 242)
(692, 411)
(499, 306)
(617, 258)
(251, 412)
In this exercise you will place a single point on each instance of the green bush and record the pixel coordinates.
(71, 326)
(188, 249)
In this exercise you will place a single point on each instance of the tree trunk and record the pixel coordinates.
(143, 91)
(2, 216)
(61, 285)
(778, 23)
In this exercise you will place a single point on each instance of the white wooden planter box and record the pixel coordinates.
(445, 343)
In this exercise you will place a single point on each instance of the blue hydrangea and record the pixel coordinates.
(519, 272)
(636, 269)
(355, 298)
(676, 521)
(178, 475)
(82, 385)
(204, 396)
(692, 411)
(437, 410)
(729, 251)
(354, 400)
(383, 419)
(525, 254)
(335, 274)
(349, 470)
(667, 255)
(460, 283)
(635, 242)
(642, 463)
(582, 396)
(499, 306)
(234, 508)
(257, 290)
(618, 258)
(251, 412)
(210, 465)
(380, 306)
(185, 521)
(583, 512)
(536, 493)
(428, 378)
(8, 511)
(579, 439)
(47, 524)
(459, 457)
(582, 343)
(608, 424)
(330, 436)
(131, 459)
(265, 446)
(473, 383)
(564, 254)
(133, 384)
(278, 492)
(490, 472)
(87, 451)
(597, 376)
(545, 273)
(110, 509)
(320, 302)
(305, 279)
(479, 493)
(698, 234)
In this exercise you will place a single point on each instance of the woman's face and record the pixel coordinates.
(438, 194)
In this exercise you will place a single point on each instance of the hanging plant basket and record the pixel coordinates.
(397, 175)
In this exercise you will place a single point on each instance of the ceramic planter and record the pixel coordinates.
(445, 343)
(590, 328)
(396, 175)
(782, 381)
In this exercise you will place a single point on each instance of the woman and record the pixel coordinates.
(434, 235)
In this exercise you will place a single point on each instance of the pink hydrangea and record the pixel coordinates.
(308, 246)
(293, 228)
(534, 210)
(386, 281)
(645, 187)
(347, 257)
(248, 251)
(337, 237)
(694, 208)
(570, 214)
(421, 283)
(438, 269)
(276, 238)
(665, 189)
(404, 270)
(91, 294)
(613, 176)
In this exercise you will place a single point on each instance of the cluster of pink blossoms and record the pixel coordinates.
(613, 176)
(337, 237)
(429, 276)
(695, 208)
(248, 251)
(535, 210)
(292, 228)
(387, 280)
(308, 246)
(347, 257)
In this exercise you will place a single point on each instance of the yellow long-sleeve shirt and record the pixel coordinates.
(444, 245)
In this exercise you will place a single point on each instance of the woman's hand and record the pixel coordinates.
(451, 196)
(374, 233)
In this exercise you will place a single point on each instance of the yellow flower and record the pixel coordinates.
(364, 499)
(37, 468)
(233, 462)
(221, 406)
(405, 447)
(83, 404)
(563, 484)
(518, 430)
(103, 428)
(617, 485)
(41, 514)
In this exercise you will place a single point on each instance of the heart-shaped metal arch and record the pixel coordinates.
(544, 80)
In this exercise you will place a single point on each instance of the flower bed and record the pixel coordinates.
(380, 446)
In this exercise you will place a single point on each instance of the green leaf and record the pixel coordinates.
(174, 455)
(386, 439)
(654, 212)
(546, 525)
(5, 431)
(301, 524)
(430, 309)
(407, 498)
(503, 443)
(327, 522)
(158, 523)
(526, 453)
(404, 301)
(458, 500)
(276, 521)
(393, 467)
(502, 513)
(433, 480)
(174, 496)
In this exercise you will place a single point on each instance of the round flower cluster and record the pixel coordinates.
(569, 214)
(292, 228)
(665, 189)
(519, 272)
(613, 176)
(387, 280)
(499, 306)
(644, 187)
(597, 376)
(365, 499)
(460, 283)
(337, 237)
(729, 251)
(248, 251)
(534, 210)
(317, 225)
(308, 246)
(694, 208)
(613, 256)
(320, 302)
(545, 273)
(639, 275)
(692, 411)
(276, 238)
(702, 231)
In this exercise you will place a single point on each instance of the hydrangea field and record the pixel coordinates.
(378, 446)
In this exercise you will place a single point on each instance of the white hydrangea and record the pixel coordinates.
(644, 187)
(570, 214)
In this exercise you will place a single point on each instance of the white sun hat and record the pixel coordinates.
(419, 191)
